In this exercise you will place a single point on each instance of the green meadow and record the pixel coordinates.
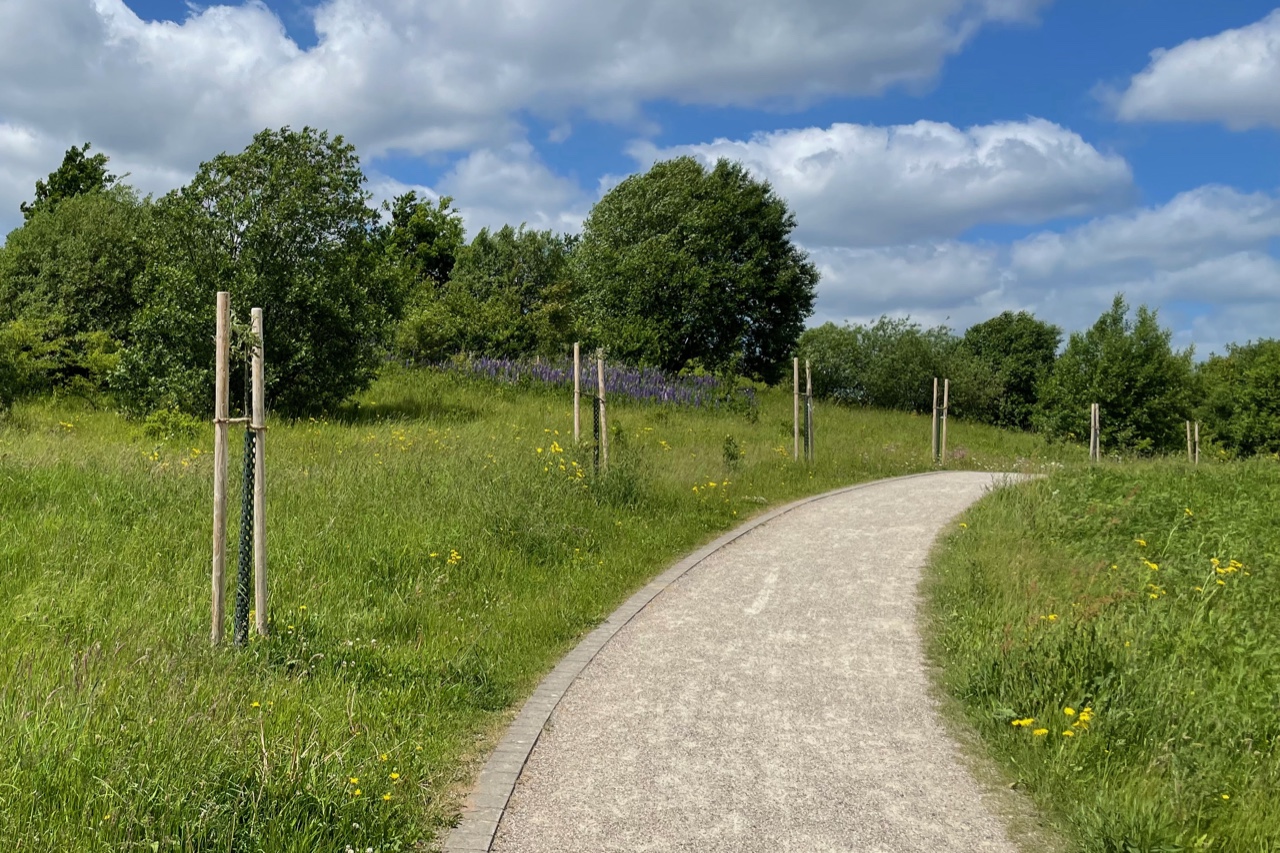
(1113, 633)
(434, 548)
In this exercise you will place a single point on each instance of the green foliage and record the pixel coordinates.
(1128, 366)
(1241, 405)
(1148, 593)
(891, 364)
(284, 226)
(1020, 350)
(510, 295)
(424, 240)
(68, 276)
(684, 264)
(77, 175)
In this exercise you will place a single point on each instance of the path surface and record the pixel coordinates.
(774, 698)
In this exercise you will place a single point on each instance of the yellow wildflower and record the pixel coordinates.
(1040, 732)
(1141, 542)
(1068, 733)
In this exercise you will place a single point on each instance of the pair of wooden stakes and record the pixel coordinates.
(577, 401)
(221, 425)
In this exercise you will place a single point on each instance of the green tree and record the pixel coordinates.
(510, 295)
(68, 274)
(1128, 367)
(1241, 408)
(686, 265)
(424, 239)
(283, 225)
(891, 364)
(77, 175)
(1020, 351)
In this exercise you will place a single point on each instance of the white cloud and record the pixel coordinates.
(496, 187)
(858, 185)
(1232, 77)
(1206, 256)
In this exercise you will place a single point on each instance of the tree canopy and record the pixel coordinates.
(685, 265)
(1128, 367)
(1020, 350)
(77, 175)
(283, 225)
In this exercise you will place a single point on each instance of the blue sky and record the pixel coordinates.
(946, 159)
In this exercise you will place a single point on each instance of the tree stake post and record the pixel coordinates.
(258, 422)
(221, 390)
(946, 407)
(933, 426)
(795, 373)
(604, 426)
(808, 411)
(577, 392)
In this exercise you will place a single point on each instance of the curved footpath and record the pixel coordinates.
(772, 698)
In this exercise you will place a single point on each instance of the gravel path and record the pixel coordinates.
(774, 698)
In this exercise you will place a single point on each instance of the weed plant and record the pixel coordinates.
(1114, 635)
(434, 549)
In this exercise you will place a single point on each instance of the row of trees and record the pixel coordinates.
(1008, 372)
(103, 291)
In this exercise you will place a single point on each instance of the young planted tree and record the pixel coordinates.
(1129, 367)
(284, 225)
(685, 265)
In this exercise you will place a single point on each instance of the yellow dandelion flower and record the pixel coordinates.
(255, 705)
(1068, 733)
(1040, 732)
(357, 792)
(386, 796)
(1070, 712)
(1226, 796)
(383, 757)
(1141, 542)
(394, 777)
(354, 780)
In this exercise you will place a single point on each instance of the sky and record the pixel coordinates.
(946, 160)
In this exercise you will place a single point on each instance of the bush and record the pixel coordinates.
(1241, 407)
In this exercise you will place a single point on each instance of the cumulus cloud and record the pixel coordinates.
(1207, 255)
(1232, 77)
(496, 187)
(859, 185)
(449, 76)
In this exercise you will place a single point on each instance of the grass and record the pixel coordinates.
(1113, 634)
(434, 549)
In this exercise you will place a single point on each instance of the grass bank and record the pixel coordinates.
(433, 551)
(1113, 633)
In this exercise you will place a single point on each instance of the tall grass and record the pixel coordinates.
(433, 550)
(1114, 635)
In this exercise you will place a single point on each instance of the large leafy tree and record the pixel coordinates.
(284, 225)
(78, 174)
(510, 295)
(1020, 351)
(67, 281)
(687, 265)
(1241, 408)
(1129, 367)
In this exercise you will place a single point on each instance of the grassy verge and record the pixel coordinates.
(1113, 634)
(433, 551)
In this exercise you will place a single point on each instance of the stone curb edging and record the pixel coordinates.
(487, 802)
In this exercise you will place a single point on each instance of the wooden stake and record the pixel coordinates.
(946, 405)
(577, 392)
(808, 410)
(221, 391)
(933, 427)
(258, 423)
(1191, 455)
(796, 419)
(1197, 459)
(604, 429)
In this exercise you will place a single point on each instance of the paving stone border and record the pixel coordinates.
(487, 801)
